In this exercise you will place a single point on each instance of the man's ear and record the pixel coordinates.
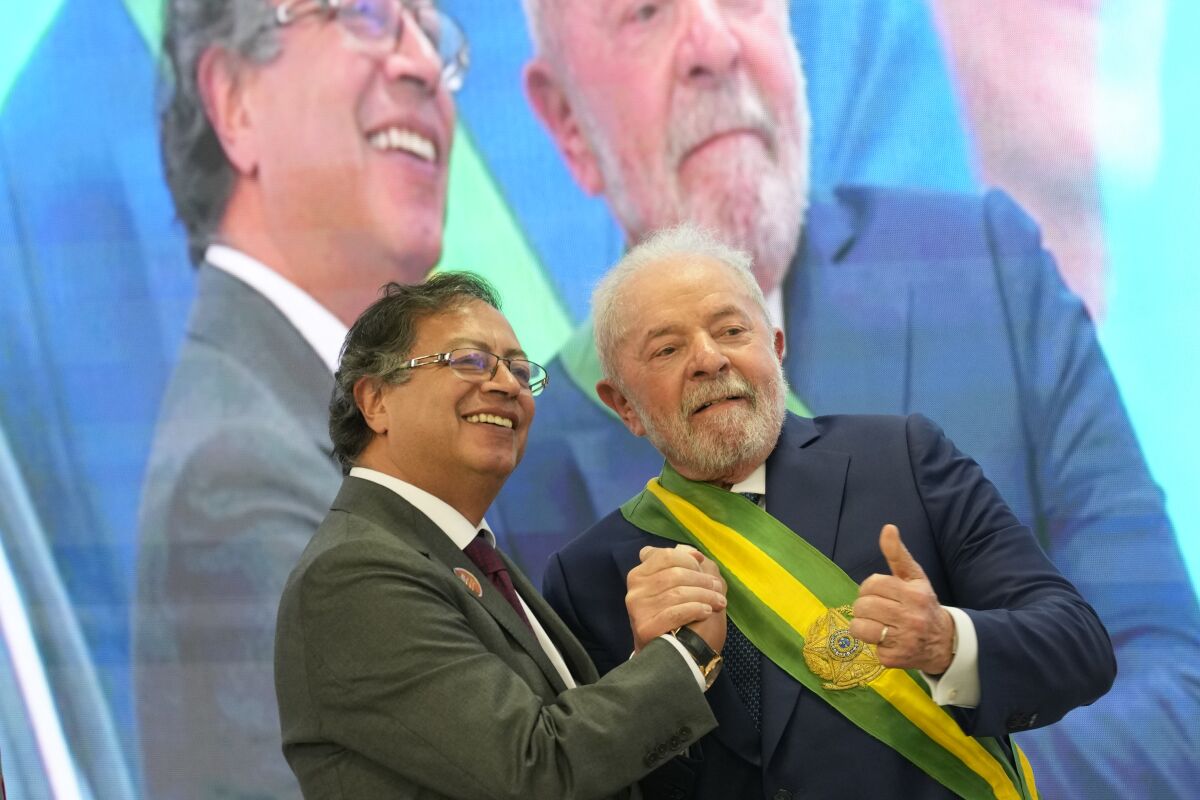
(222, 83)
(371, 401)
(780, 345)
(553, 108)
(618, 402)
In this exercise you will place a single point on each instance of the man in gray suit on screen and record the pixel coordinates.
(307, 148)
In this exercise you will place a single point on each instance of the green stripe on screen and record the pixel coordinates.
(484, 237)
(147, 16)
(23, 27)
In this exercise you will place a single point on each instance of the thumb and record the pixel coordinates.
(900, 561)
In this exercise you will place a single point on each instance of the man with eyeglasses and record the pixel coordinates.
(306, 145)
(412, 659)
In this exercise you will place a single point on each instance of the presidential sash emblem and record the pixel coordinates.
(836, 657)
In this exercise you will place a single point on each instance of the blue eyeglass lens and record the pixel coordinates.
(521, 371)
(471, 361)
(370, 19)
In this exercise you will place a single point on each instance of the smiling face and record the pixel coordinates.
(454, 438)
(345, 153)
(683, 110)
(699, 369)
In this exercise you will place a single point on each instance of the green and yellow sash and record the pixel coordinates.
(783, 590)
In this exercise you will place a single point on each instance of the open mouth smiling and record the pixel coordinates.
(491, 419)
(403, 140)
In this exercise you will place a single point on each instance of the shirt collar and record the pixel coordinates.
(316, 324)
(755, 482)
(446, 517)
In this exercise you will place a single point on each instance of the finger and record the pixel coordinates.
(642, 602)
(658, 558)
(878, 609)
(691, 551)
(665, 579)
(888, 586)
(900, 561)
(674, 617)
(871, 631)
(710, 567)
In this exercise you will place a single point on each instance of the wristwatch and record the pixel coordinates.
(707, 659)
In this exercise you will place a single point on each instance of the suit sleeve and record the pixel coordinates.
(1042, 649)
(418, 690)
(219, 537)
(1103, 522)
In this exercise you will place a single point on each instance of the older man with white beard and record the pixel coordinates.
(821, 675)
(891, 302)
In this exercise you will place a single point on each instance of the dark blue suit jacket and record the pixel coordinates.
(902, 302)
(836, 481)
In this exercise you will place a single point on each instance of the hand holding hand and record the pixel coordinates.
(673, 587)
(900, 613)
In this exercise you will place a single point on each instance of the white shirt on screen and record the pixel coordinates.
(316, 324)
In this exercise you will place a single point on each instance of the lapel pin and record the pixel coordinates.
(469, 580)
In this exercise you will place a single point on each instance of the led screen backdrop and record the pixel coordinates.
(1083, 112)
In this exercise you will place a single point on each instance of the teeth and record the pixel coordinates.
(491, 419)
(405, 141)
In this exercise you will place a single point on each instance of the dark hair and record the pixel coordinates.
(198, 174)
(379, 341)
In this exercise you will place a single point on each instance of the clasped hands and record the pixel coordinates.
(900, 613)
(672, 587)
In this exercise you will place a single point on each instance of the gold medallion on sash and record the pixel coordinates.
(835, 656)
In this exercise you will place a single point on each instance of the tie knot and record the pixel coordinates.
(753, 497)
(486, 557)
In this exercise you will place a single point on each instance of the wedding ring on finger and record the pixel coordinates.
(883, 636)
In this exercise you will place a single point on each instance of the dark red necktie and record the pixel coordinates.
(488, 560)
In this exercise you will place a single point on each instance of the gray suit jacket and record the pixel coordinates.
(394, 680)
(240, 476)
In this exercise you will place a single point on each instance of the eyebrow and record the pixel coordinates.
(464, 341)
(723, 311)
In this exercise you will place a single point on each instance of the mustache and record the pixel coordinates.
(701, 114)
(728, 385)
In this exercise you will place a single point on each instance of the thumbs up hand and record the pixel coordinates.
(900, 613)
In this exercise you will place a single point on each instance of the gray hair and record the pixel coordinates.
(198, 174)
(685, 240)
(542, 18)
(378, 343)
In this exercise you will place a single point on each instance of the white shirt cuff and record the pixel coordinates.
(959, 684)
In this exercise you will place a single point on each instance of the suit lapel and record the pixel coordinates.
(576, 658)
(804, 491)
(847, 317)
(393, 513)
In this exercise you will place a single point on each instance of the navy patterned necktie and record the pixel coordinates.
(487, 558)
(743, 661)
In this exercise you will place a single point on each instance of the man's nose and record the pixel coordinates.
(708, 358)
(709, 48)
(415, 58)
(503, 381)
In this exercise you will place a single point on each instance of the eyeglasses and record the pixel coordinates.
(478, 366)
(379, 25)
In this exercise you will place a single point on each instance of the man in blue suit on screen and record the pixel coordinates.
(890, 302)
(961, 633)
